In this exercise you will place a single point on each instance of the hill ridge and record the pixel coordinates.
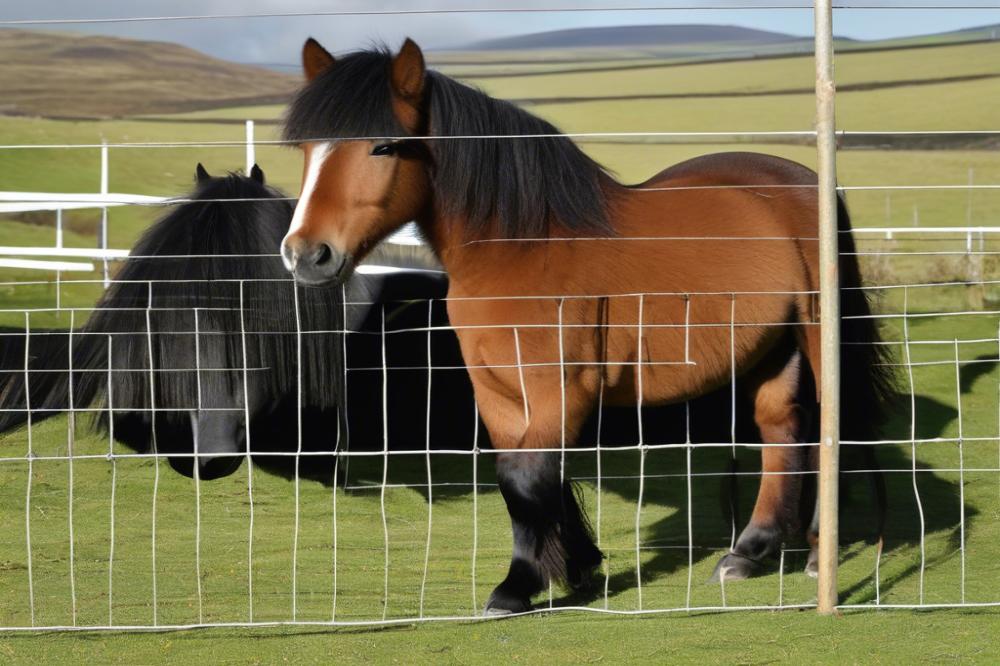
(635, 35)
(56, 74)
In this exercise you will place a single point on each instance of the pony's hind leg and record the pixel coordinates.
(552, 541)
(783, 416)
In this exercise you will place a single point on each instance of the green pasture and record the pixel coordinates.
(954, 636)
(469, 535)
(469, 542)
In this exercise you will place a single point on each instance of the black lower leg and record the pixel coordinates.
(552, 540)
(749, 556)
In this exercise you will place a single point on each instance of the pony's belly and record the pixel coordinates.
(664, 382)
(677, 348)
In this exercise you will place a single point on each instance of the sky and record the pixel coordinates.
(277, 40)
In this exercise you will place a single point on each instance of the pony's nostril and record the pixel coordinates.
(324, 255)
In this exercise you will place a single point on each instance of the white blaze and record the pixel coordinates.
(317, 156)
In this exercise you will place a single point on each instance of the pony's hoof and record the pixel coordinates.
(734, 566)
(500, 603)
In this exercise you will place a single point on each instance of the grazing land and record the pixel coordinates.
(954, 87)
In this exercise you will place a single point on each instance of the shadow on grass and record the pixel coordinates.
(667, 483)
(919, 504)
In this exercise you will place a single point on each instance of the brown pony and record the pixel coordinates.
(565, 283)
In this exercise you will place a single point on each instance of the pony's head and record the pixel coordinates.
(361, 180)
(204, 331)
(386, 141)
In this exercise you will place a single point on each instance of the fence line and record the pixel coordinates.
(645, 446)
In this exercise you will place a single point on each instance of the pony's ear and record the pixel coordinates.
(257, 174)
(408, 72)
(315, 59)
(200, 175)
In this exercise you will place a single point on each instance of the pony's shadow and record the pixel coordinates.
(922, 502)
(718, 497)
(919, 503)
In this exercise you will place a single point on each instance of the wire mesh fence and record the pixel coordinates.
(369, 533)
(382, 506)
(439, 510)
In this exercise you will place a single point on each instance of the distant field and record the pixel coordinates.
(240, 113)
(560, 63)
(901, 96)
(755, 76)
(588, 56)
(962, 105)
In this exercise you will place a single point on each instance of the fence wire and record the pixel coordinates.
(406, 553)
(373, 514)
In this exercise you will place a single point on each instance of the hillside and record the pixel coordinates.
(987, 33)
(63, 74)
(635, 35)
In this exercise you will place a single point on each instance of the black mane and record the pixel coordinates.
(194, 259)
(504, 187)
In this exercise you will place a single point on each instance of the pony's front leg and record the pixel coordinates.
(552, 540)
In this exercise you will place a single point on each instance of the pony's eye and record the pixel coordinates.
(383, 149)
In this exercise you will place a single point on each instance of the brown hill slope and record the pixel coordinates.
(60, 74)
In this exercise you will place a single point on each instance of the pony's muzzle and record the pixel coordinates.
(316, 263)
(209, 467)
(217, 440)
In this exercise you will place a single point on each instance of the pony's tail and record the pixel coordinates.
(867, 383)
(879, 491)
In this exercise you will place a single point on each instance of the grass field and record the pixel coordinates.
(453, 558)
(450, 588)
(742, 638)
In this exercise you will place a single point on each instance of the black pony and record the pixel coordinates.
(205, 331)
